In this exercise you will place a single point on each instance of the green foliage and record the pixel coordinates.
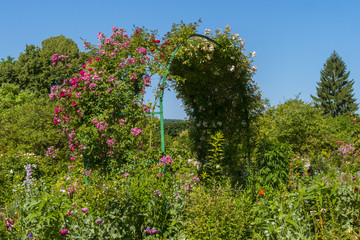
(11, 95)
(173, 128)
(335, 92)
(273, 163)
(296, 122)
(33, 70)
(28, 125)
(217, 213)
(212, 170)
(142, 189)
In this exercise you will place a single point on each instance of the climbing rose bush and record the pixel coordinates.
(100, 108)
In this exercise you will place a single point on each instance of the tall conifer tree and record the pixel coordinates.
(335, 92)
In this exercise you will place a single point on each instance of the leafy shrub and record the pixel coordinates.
(217, 213)
(273, 163)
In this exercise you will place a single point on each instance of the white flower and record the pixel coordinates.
(207, 31)
(232, 68)
(219, 123)
(253, 54)
(211, 48)
(11, 171)
(253, 69)
(181, 105)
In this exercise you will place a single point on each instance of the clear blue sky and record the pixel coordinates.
(292, 39)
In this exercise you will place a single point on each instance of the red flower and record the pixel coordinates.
(261, 192)
(161, 88)
(162, 56)
(156, 41)
(151, 50)
(355, 189)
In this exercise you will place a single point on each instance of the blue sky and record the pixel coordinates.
(292, 39)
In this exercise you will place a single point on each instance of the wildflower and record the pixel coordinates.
(195, 179)
(64, 231)
(136, 131)
(110, 142)
(306, 201)
(126, 175)
(29, 236)
(84, 210)
(69, 213)
(62, 190)
(355, 189)
(166, 160)
(99, 221)
(11, 171)
(157, 193)
(154, 231)
(261, 192)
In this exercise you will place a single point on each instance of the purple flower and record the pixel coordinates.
(29, 236)
(99, 221)
(154, 231)
(84, 210)
(358, 174)
(150, 231)
(353, 178)
(157, 192)
(306, 201)
(64, 231)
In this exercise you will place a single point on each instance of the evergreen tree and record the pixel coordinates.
(335, 92)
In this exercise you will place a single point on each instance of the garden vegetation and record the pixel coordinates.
(81, 158)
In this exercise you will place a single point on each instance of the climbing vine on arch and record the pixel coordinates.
(215, 83)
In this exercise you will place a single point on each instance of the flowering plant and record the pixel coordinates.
(100, 108)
